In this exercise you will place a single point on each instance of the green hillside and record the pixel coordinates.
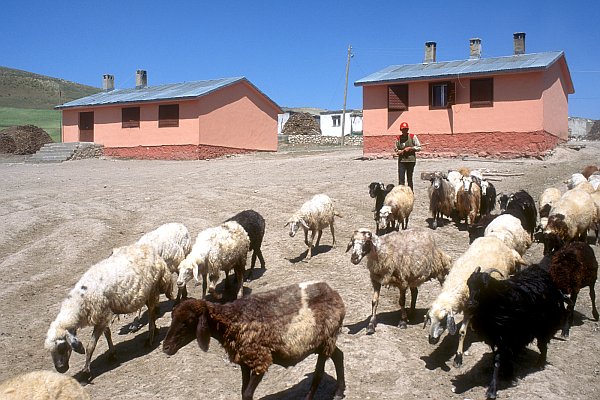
(28, 98)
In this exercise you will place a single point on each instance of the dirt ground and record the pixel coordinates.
(59, 219)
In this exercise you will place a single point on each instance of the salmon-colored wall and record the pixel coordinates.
(237, 117)
(556, 103)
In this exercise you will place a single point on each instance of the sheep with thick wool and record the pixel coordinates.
(42, 385)
(570, 218)
(509, 229)
(281, 326)
(403, 259)
(521, 205)
(133, 276)
(173, 243)
(547, 199)
(579, 181)
(487, 252)
(468, 200)
(397, 206)
(442, 198)
(254, 224)
(221, 248)
(315, 215)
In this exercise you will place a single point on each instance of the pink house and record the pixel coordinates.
(191, 120)
(502, 106)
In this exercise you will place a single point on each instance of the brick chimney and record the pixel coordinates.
(141, 79)
(519, 41)
(108, 82)
(429, 52)
(474, 48)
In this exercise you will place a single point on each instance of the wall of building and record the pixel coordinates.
(556, 103)
(352, 124)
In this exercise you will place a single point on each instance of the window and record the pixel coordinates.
(168, 115)
(442, 94)
(130, 117)
(482, 92)
(336, 120)
(398, 98)
(86, 121)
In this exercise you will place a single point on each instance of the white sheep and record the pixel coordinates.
(569, 219)
(42, 385)
(487, 252)
(133, 276)
(221, 248)
(455, 178)
(578, 181)
(397, 206)
(547, 199)
(403, 259)
(509, 229)
(173, 243)
(594, 180)
(315, 215)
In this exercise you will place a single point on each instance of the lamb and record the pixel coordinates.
(589, 170)
(509, 314)
(486, 252)
(488, 194)
(221, 248)
(173, 243)
(547, 199)
(572, 268)
(522, 206)
(570, 218)
(397, 206)
(404, 259)
(378, 191)
(468, 200)
(578, 181)
(509, 229)
(133, 276)
(281, 326)
(254, 225)
(441, 198)
(315, 215)
(42, 385)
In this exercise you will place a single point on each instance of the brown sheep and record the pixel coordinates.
(589, 170)
(468, 201)
(281, 326)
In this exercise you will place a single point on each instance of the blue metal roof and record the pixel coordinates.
(173, 91)
(471, 67)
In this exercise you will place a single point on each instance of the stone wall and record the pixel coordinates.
(355, 140)
(184, 152)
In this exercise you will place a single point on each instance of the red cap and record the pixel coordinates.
(404, 125)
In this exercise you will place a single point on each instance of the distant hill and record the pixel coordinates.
(22, 89)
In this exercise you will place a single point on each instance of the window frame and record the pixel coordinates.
(130, 117)
(482, 91)
(449, 96)
(168, 115)
(398, 97)
(336, 120)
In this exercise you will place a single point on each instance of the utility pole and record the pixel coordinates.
(350, 55)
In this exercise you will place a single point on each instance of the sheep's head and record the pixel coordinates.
(60, 346)
(484, 186)
(295, 223)
(361, 244)
(189, 321)
(187, 270)
(477, 282)
(440, 318)
(555, 233)
(504, 199)
(385, 214)
(575, 180)
(374, 188)
(436, 180)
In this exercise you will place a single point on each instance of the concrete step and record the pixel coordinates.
(58, 152)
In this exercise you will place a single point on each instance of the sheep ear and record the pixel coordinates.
(286, 224)
(195, 272)
(74, 343)
(203, 332)
(304, 224)
(350, 244)
(450, 323)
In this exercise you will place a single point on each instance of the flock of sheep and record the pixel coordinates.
(508, 302)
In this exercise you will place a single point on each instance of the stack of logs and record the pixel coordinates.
(301, 124)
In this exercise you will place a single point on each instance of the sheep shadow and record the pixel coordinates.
(390, 318)
(444, 352)
(123, 352)
(326, 389)
(138, 324)
(480, 374)
(320, 249)
(441, 222)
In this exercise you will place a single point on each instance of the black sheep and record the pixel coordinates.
(522, 206)
(572, 268)
(378, 191)
(509, 314)
(254, 225)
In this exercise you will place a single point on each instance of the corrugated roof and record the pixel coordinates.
(470, 67)
(173, 91)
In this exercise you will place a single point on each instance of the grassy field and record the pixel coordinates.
(48, 120)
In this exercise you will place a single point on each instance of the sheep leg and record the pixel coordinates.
(402, 302)
(542, 344)
(204, 284)
(491, 391)
(593, 299)
(89, 350)
(111, 348)
(413, 300)
(245, 377)
(239, 282)
(569, 318)
(310, 244)
(319, 237)
(458, 358)
(151, 323)
(338, 360)
(253, 381)
(318, 375)
(374, 303)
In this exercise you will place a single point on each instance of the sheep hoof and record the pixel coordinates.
(434, 225)
(370, 329)
(458, 360)
(402, 325)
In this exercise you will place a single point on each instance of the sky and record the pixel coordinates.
(293, 51)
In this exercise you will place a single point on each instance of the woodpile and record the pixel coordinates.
(24, 139)
(594, 131)
(301, 124)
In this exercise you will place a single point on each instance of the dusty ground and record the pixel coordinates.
(59, 219)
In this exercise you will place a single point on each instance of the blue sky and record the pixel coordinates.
(295, 51)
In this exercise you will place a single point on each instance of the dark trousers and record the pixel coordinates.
(406, 169)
